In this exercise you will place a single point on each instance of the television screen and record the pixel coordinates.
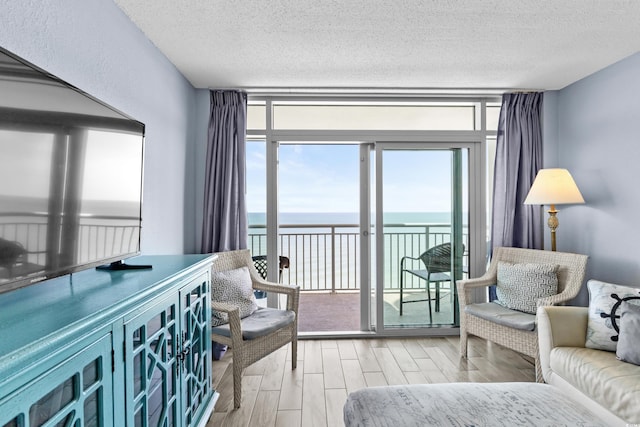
(70, 178)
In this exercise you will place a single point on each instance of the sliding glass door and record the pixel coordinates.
(318, 213)
(422, 210)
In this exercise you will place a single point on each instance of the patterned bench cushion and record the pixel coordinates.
(465, 404)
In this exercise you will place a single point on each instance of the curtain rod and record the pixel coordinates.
(334, 91)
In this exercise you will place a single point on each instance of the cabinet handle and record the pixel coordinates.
(183, 354)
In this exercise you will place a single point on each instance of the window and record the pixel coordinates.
(375, 116)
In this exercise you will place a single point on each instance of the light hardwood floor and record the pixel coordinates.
(328, 370)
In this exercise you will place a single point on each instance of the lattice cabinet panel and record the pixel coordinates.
(196, 345)
(77, 392)
(151, 355)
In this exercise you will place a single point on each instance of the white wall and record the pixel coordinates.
(598, 140)
(92, 45)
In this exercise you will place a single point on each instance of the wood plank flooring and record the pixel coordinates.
(328, 370)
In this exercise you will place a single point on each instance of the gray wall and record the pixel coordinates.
(550, 135)
(203, 106)
(598, 140)
(92, 45)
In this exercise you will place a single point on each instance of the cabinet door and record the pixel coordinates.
(196, 348)
(77, 392)
(151, 366)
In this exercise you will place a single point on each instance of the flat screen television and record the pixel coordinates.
(70, 178)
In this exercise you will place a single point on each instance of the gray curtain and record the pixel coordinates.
(225, 214)
(518, 159)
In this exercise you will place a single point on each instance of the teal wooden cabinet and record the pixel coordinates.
(101, 348)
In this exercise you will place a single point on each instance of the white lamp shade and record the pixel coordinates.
(553, 187)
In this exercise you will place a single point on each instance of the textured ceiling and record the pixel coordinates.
(416, 44)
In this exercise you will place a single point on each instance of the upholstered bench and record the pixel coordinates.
(465, 404)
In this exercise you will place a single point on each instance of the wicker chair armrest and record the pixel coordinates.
(466, 286)
(225, 307)
(564, 296)
(478, 282)
(292, 292)
(233, 313)
(278, 288)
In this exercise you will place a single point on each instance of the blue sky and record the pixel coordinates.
(325, 178)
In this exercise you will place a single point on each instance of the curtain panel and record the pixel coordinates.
(224, 225)
(518, 159)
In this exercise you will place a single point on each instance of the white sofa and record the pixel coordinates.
(594, 378)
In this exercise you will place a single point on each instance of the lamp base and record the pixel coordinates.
(553, 223)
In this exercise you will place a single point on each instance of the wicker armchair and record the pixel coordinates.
(571, 273)
(261, 333)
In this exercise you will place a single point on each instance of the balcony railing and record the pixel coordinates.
(325, 257)
(98, 236)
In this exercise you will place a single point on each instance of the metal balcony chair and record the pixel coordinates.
(437, 263)
(261, 333)
(260, 263)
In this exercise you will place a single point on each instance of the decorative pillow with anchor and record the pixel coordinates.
(605, 308)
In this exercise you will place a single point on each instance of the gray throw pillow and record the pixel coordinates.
(605, 301)
(232, 287)
(629, 338)
(521, 285)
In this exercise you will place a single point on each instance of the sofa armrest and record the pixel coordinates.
(559, 327)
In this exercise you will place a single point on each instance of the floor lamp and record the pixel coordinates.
(553, 187)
